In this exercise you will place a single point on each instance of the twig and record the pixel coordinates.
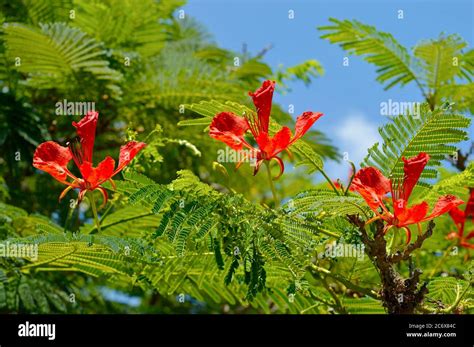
(347, 283)
(399, 256)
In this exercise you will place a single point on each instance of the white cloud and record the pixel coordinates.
(354, 134)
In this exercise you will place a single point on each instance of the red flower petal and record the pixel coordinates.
(127, 153)
(303, 123)
(97, 175)
(282, 167)
(52, 158)
(280, 141)
(408, 235)
(470, 235)
(86, 131)
(459, 218)
(413, 168)
(469, 211)
(105, 196)
(64, 192)
(466, 245)
(443, 205)
(372, 185)
(244, 156)
(457, 215)
(230, 129)
(271, 146)
(408, 215)
(262, 99)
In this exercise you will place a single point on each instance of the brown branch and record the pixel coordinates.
(398, 295)
(405, 255)
(461, 161)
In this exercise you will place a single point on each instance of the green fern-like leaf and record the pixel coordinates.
(448, 290)
(95, 256)
(442, 60)
(434, 132)
(455, 184)
(132, 26)
(44, 11)
(64, 51)
(316, 201)
(364, 305)
(379, 48)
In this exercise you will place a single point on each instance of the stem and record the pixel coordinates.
(105, 213)
(351, 179)
(459, 297)
(339, 307)
(329, 233)
(329, 180)
(94, 210)
(120, 221)
(441, 261)
(347, 283)
(272, 186)
(68, 217)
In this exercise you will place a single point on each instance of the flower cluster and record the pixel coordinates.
(374, 186)
(54, 159)
(230, 129)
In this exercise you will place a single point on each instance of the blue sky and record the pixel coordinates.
(349, 96)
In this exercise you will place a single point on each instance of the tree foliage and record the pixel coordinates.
(182, 232)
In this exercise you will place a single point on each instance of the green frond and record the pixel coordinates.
(252, 70)
(64, 52)
(189, 33)
(442, 61)
(43, 225)
(86, 254)
(460, 95)
(190, 223)
(304, 72)
(210, 108)
(25, 294)
(467, 65)
(308, 157)
(316, 201)
(434, 132)
(45, 11)
(449, 290)
(131, 27)
(130, 221)
(455, 185)
(10, 212)
(395, 66)
(365, 305)
(137, 177)
(178, 77)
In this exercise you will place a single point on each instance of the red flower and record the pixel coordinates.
(230, 129)
(459, 217)
(53, 159)
(373, 186)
